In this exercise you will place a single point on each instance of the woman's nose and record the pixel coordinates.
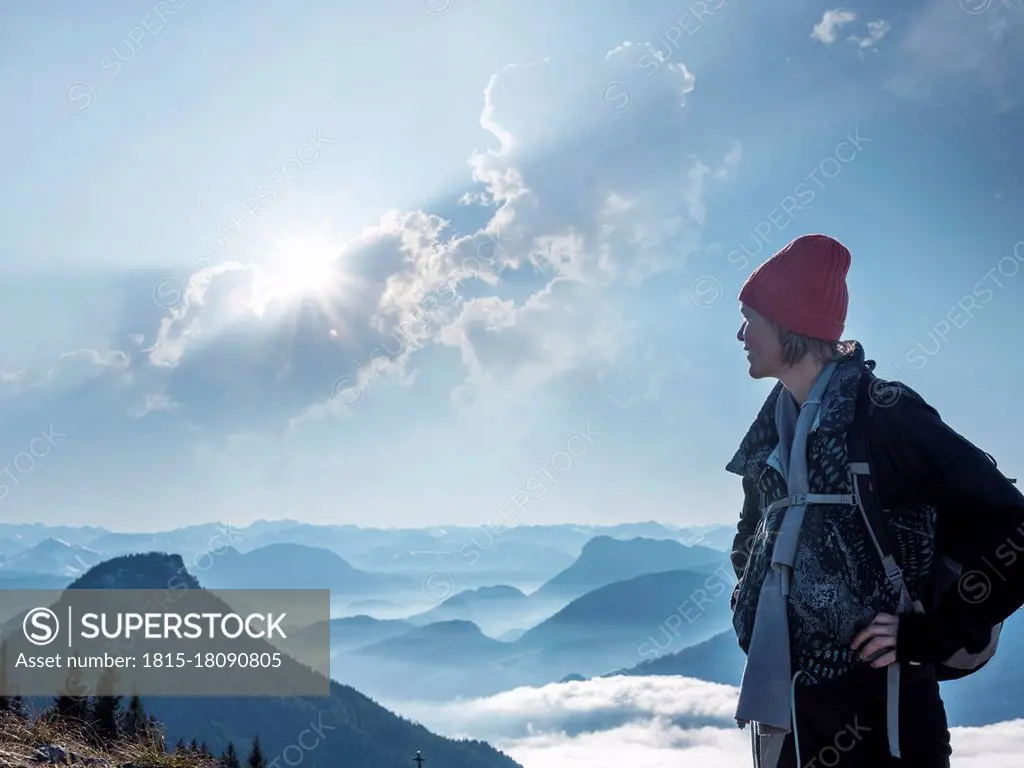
(739, 333)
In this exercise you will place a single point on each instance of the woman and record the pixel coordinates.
(841, 663)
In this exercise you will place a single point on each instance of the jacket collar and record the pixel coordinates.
(837, 409)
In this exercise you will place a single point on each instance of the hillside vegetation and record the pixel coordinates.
(99, 733)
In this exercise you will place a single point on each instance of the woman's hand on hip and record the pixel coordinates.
(877, 640)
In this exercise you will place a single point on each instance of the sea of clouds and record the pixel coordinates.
(645, 722)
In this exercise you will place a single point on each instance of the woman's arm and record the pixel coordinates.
(750, 516)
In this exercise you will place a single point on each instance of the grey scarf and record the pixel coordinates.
(764, 699)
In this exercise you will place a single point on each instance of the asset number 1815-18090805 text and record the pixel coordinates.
(210, 659)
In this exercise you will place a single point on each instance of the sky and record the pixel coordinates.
(389, 264)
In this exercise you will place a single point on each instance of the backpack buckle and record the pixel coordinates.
(892, 570)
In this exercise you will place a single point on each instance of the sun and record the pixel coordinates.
(297, 270)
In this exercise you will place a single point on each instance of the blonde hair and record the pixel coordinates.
(796, 346)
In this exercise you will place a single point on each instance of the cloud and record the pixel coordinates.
(623, 46)
(827, 29)
(731, 161)
(68, 371)
(612, 232)
(576, 708)
(154, 401)
(518, 286)
(876, 31)
(694, 188)
(647, 722)
(653, 60)
(185, 321)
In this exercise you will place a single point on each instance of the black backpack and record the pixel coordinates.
(878, 393)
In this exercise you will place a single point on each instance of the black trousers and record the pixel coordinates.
(842, 722)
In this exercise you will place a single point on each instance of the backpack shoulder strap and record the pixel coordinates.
(861, 480)
(871, 393)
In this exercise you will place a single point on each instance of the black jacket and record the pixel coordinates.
(917, 458)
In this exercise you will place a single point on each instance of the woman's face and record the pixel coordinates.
(760, 340)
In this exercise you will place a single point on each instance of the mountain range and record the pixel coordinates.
(495, 609)
(502, 608)
(605, 559)
(296, 566)
(395, 573)
(638, 617)
(611, 627)
(469, 548)
(51, 556)
(643, 599)
(357, 731)
(718, 659)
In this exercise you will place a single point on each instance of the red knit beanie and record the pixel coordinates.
(803, 287)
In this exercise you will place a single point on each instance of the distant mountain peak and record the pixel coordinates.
(488, 593)
(51, 556)
(638, 602)
(295, 546)
(150, 570)
(300, 550)
(449, 628)
(362, 621)
(605, 559)
(53, 544)
(603, 543)
(500, 590)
